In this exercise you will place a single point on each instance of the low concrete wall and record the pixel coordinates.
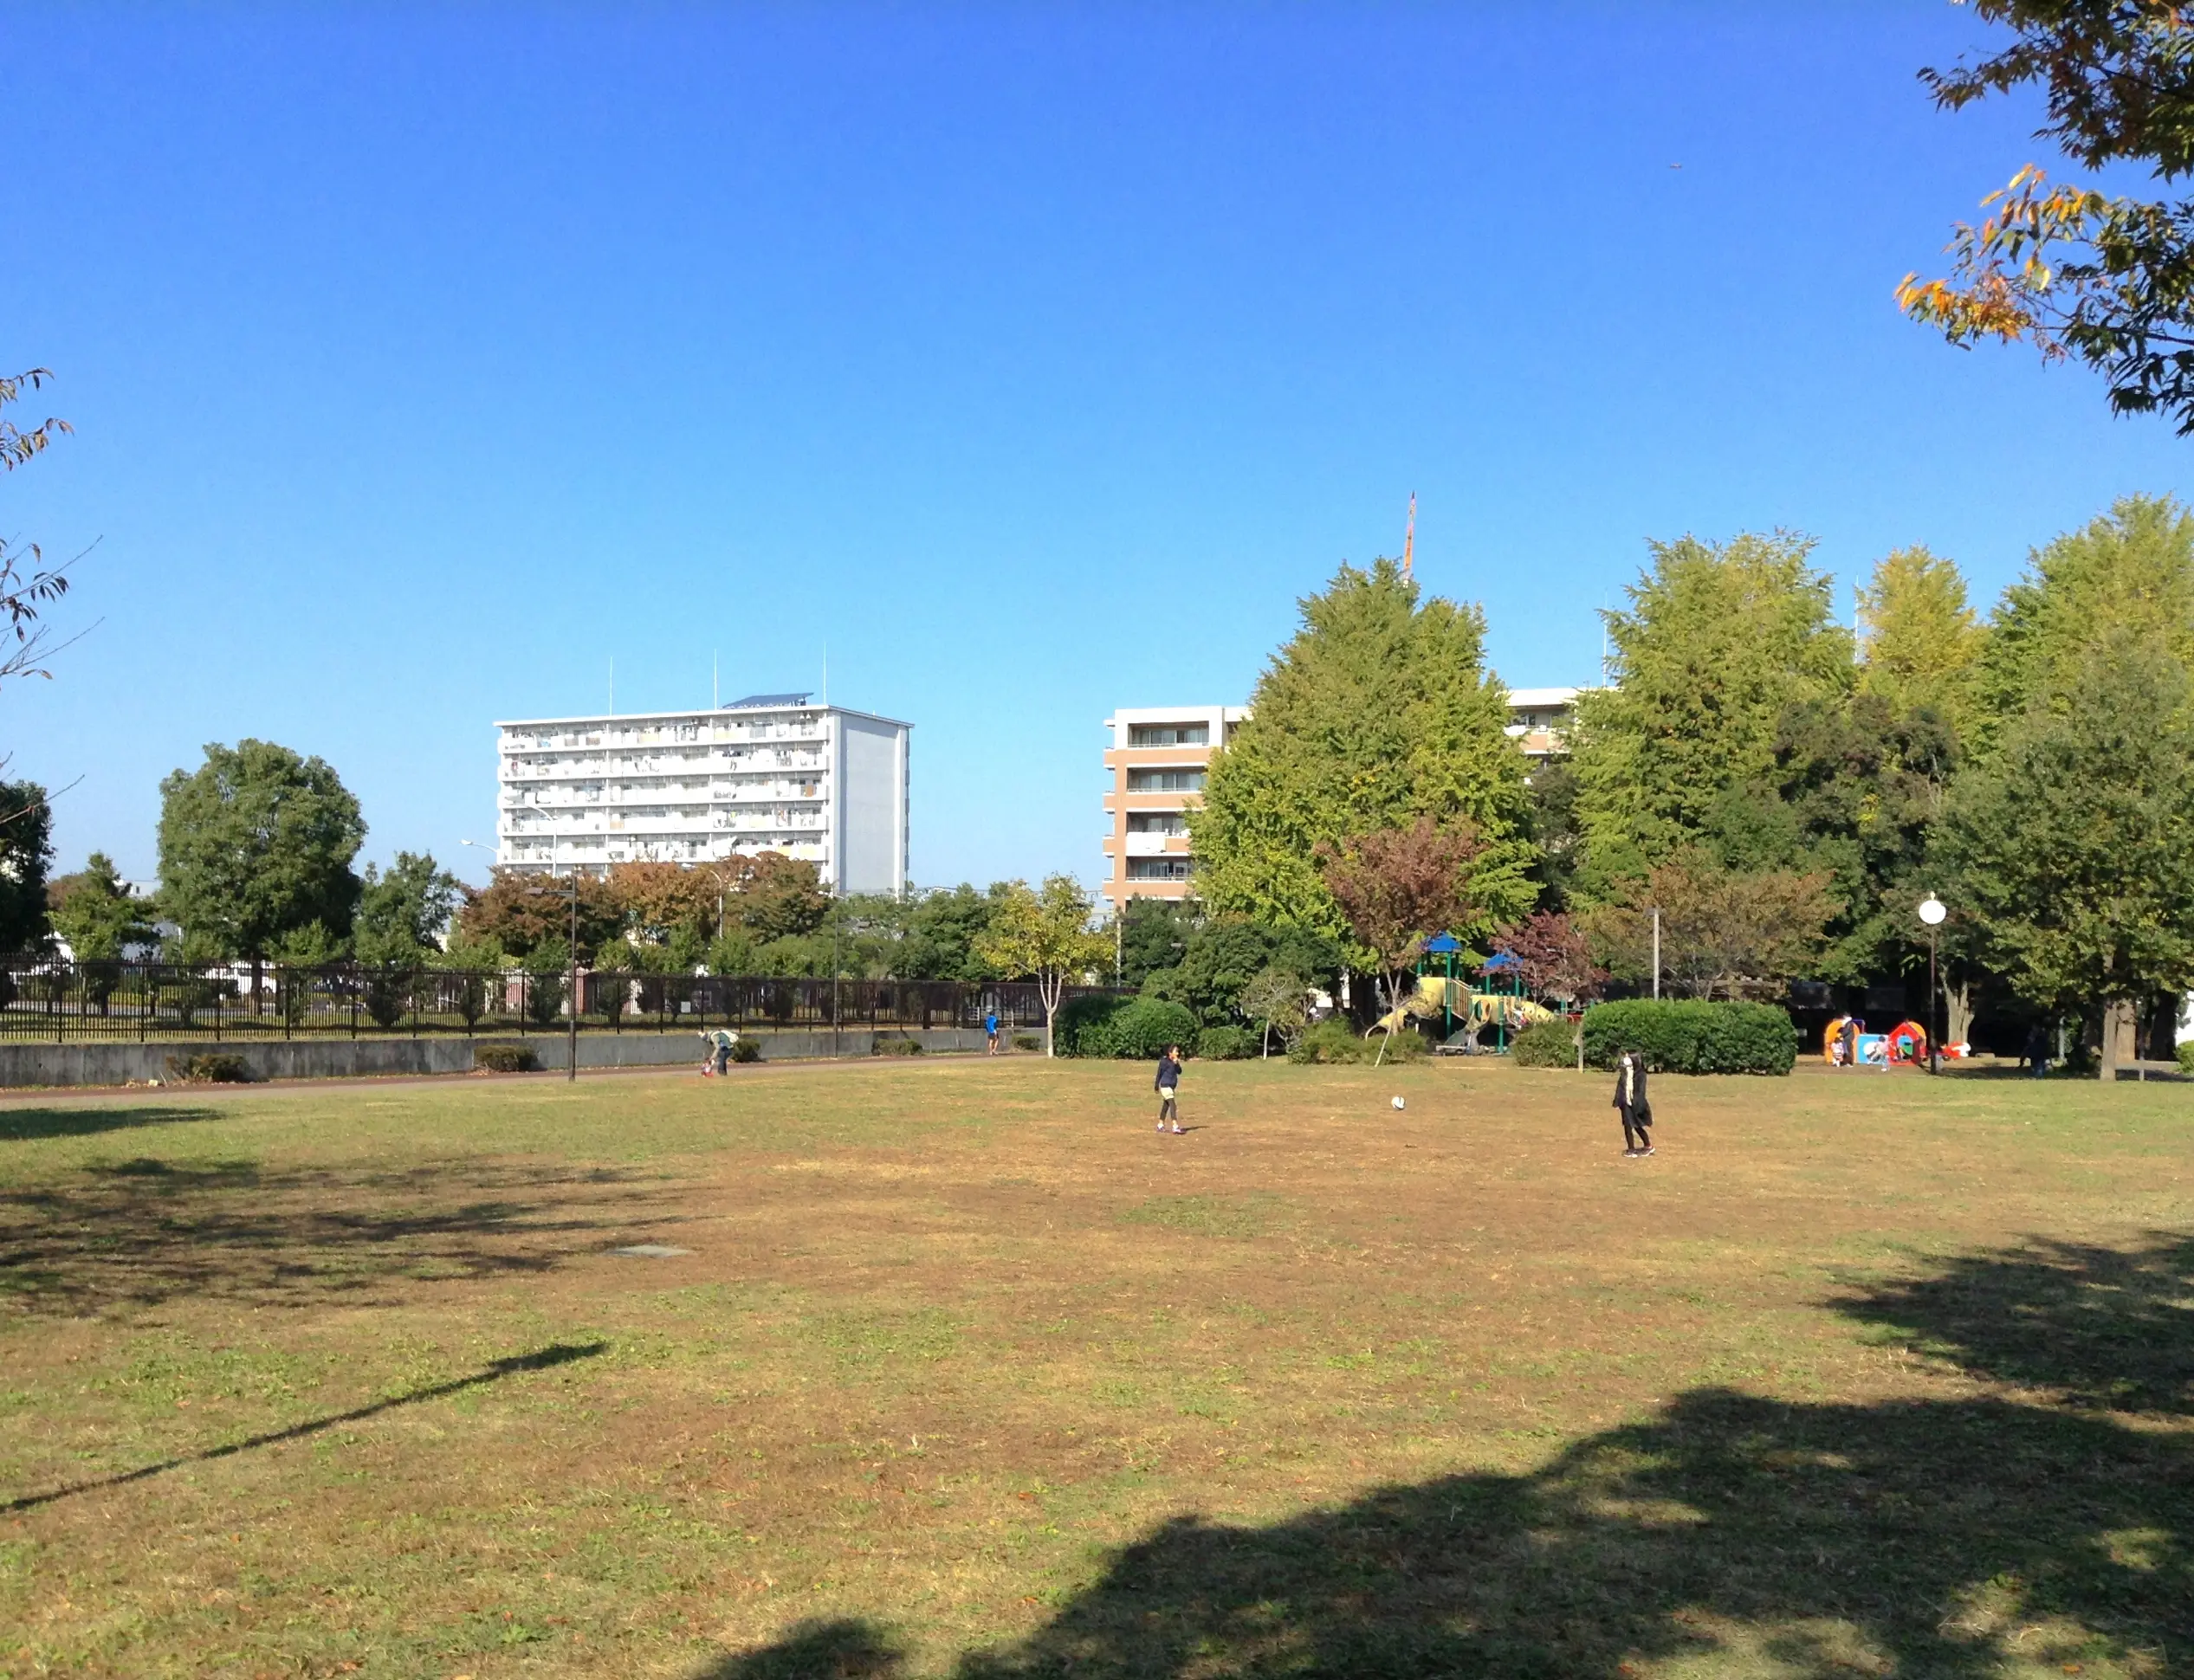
(111, 1063)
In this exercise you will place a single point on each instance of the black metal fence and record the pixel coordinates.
(44, 999)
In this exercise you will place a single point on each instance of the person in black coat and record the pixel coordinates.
(1630, 1103)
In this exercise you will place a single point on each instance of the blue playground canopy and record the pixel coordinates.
(1442, 944)
(1503, 960)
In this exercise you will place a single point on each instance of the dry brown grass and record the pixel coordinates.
(965, 1370)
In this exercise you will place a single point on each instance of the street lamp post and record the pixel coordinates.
(1932, 913)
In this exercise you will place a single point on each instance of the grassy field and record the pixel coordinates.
(966, 1372)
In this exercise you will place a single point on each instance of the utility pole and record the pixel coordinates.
(1119, 936)
(1931, 912)
(1409, 537)
(1656, 950)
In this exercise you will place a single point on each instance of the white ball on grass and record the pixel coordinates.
(1399, 1103)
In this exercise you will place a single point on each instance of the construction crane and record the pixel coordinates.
(1409, 536)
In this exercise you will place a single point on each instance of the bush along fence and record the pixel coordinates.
(1684, 1035)
(53, 1002)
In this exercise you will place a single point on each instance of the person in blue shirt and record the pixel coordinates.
(990, 1029)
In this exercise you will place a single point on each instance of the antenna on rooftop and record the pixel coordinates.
(612, 685)
(1409, 536)
(716, 698)
(826, 675)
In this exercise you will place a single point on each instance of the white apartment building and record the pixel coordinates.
(767, 773)
(1156, 764)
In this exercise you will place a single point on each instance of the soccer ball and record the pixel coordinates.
(1399, 1103)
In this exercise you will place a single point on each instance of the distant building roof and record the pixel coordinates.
(753, 703)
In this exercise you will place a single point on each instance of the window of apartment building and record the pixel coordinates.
(1157, 868)
(1165, 781)
(1169, 734)
(1156, 822)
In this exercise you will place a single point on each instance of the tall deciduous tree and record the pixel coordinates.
(1043, 935)
(525, 915)
(401, 914)
(1378, 711)
(254, 845)
(2128, 571)
(773, 896)
(1398, 888)
(1554, 956)
(660, 900)
(2069, 844)
(1717, 642)
(94, 912)
(1920, 639)
(1724, 932)
(26, 856)
(2109, 281)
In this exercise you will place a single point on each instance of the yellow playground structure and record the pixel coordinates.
(1438, 995)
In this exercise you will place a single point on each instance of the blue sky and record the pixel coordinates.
(1032, 359)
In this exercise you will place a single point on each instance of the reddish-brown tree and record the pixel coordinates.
(1397, 888)
(1554, 957)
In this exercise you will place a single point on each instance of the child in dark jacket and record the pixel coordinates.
(1168, 1087)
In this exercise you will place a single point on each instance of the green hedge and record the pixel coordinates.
(1226, 1043)
(1081, 1017)
(1545, 1044)
(1684, 1035)
(1139, 1028)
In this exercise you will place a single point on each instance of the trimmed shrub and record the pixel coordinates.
(1027, 1041)
(2186, 1056)
(504, 1058)
(898, 1047)
(1142, 1030)
(1335, 1041)
(212, 1068)
(1686, 1036)
(1226, 1043)
(1081, 1019)
(748, 1049)
(1545, 1044)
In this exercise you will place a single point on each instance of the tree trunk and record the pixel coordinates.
(1958, 1008)
(2120, 1041)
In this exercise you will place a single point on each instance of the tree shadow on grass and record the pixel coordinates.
(562, 1353)
(1731, 1534)
(144, 1232)
(24, 1125)
(2097, 1327)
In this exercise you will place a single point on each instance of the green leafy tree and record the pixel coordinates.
(773, 896)
(2129, 571)
(401, 914)
(2108, 280)
(1153, 934)
(94, 912)
(1716, 642)
(1727, 933)
(26, 856)
(254, 845)
(1378, 711)
(1221, 958)
(1276, 998)
(943, 928)
(1921, 641)
(1043, 935)
(2067, 847)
